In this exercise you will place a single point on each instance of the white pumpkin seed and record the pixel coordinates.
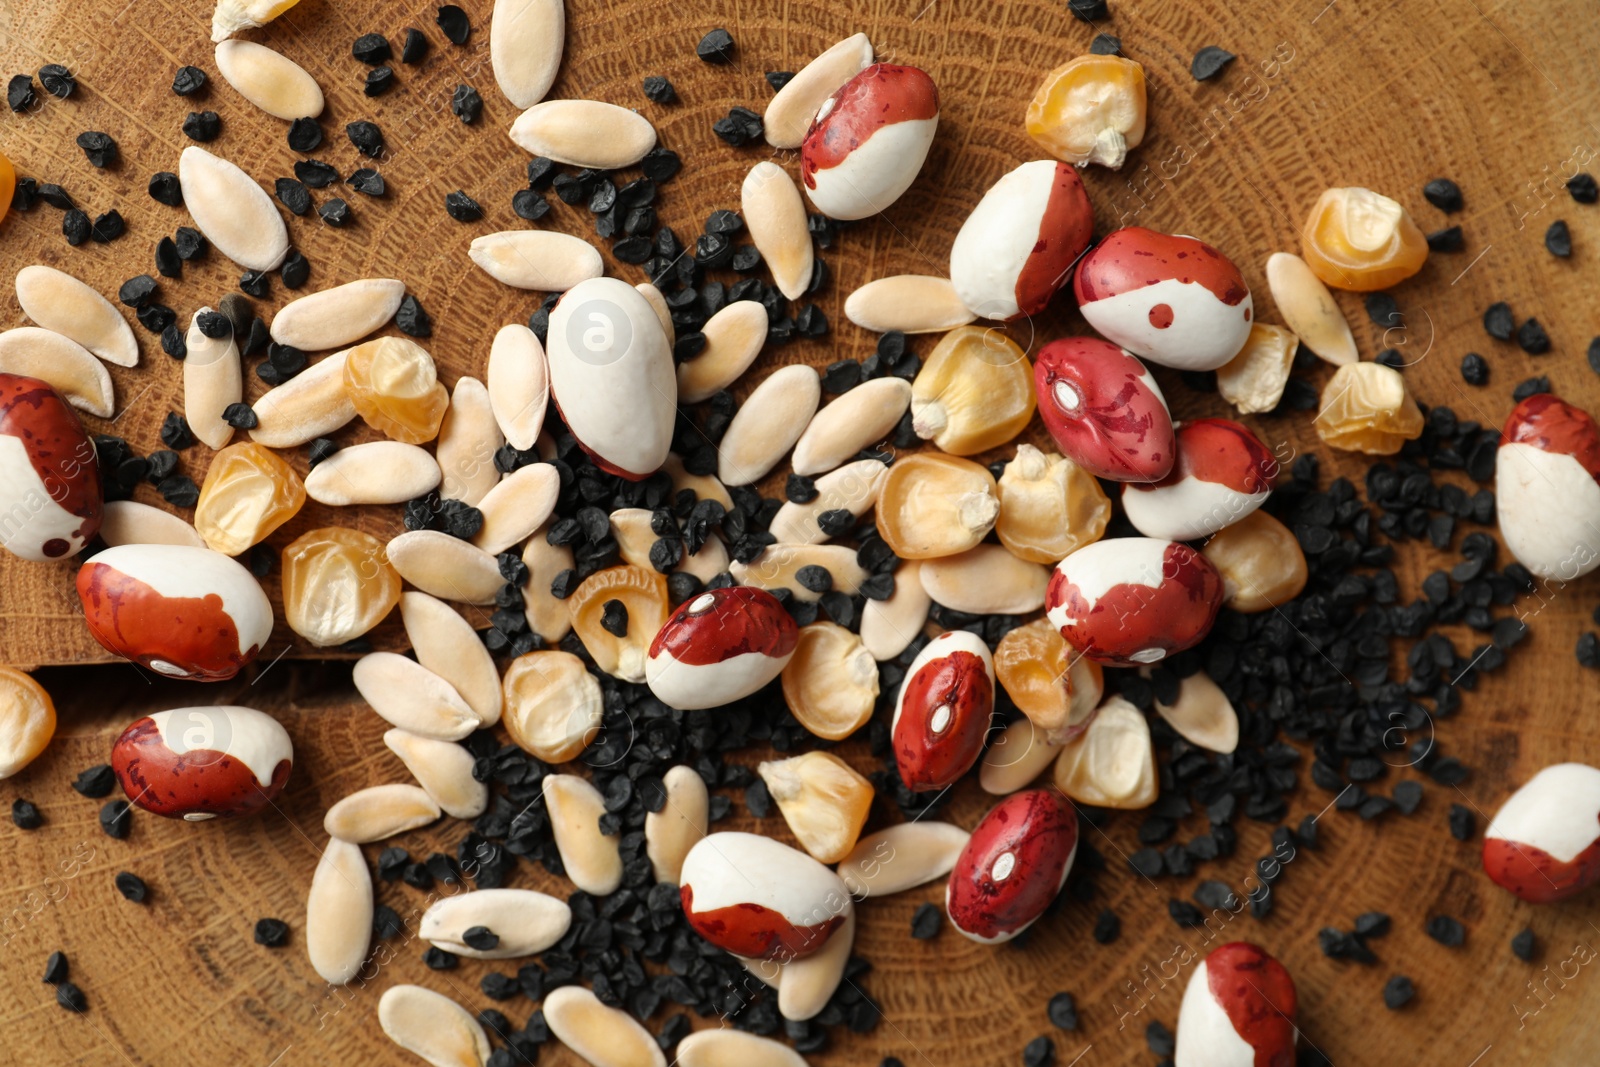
(408, 695)
(432, 1026)
(658, 303)
(446, 567)
(584, 133)
(1111, 764)
(791, 109)
(593, 860)
(127, 522)
(525, 921)
(986, 580)
(377, 472)
(60, 362)
(605, 1037)
(1309, 309)
(857, 420)
(910, 303)
(805, 987)
(447, 645)
(544, 260)
(469, 436)
(634, 535)
(231, 16)
(519, 384)
(775, 569)
(889, 626)
(902, 857)
(334, 318)
(705, 486)
(212, 380)
(444, 771)
(270, 80)
(776, 217)
(235, 214)
(769, 423)
(734, 337)
(339, 913)
(380, 811)
(516, 507)
(547, 616)
(710, 561)
(310, 405)
(1015, 758)
(726, 1047)
(853, 487)
(57, 301)
(670, 833)
(526, 39)
(1203, 714)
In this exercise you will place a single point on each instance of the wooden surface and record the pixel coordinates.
(1497, 95)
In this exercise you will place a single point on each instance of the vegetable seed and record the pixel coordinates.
(305, 135)
(1443, 194)
(96, 782)
(462, 207)
(75, 227)
(202, 126)
(132, 887)
(1209, 61)
(56, 968)
(19, 93)
(414, 47)
(1583, 188)
(366, 137)
(188, 81)
(1447, 931)
(1498, 322)
(1558, 239)
(57, 80)
(115, 816)
(716, 47)
(25, 814)
(1449, 239)
(293, 195)
(1397, 992)
(1523, 945)
(660, 90)
(927, 921)
(335, 212)
(371, 49)
(1474, 369)
(271, 933)
(1041, 1051)
(466, 104)
(1063, 1011)
(1532, 339)
(99, 148)
(71, 997)
(453, 21)
(379, 80)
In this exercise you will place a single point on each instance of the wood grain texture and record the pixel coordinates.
(1496, 95)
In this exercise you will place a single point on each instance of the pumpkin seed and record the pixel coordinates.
(339, 913)
(519, 384)
(853, 488)
(658, 304)
(605, 1037)
(57, 301)
(986, 580)
(446, 644)
(547, 616)
(772, 419)
(593, 860)
(380, 811)
(127, 522)
(790, 111)
(902, 857)
(670, 833)
(526, 39)
(410, 696)
(776, 568)
(446, 567)
(889, 626)
(270, 80)
(1015, 758)
(212, 381)
(233, 212)
(432, 1026)
(543, 260)
(443, 769)
(910, 303)
(584, 133)
(516, 507)
(377, 472)
(1309, 309)
(68, 367)
(726, 1047)
(804, 989)
(334, 318)
(1203, 714)
(857, 420)
(776, 217)
(310, 405)
(525, 921)
(734, 337)
(469, 436)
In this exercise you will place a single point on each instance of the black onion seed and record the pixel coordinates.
(716, 47)
(453, 21)
(99, 148)
(25, 814)
(132, 887)
(462, 207)
(1443, 194)
(57, 80)
(1209, 61)
(305, 135)
(1558, 239)
(272, 933)
(371, 49)
(414, 47)
(379, 80)
(202, 126)
(1449, 239)
(188, 81)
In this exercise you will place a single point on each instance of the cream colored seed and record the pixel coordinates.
(1111, 764)
(670, 833)
(544, 260)
(446, 567)
(974, 392)
(1253, 381)
(1015, 758)
(584, 133)
(339, 913)
(1261, 563)
(605, 1037)
(986, 580)
(775, 569)
(310, 405)
(902, 857)
(1309, 309)
(57, 301)
(447, 645)
(27, 720)
(62, 363)
(857, 420)
(889, 626)
(768, 971)
(910, 303)
(791, 109)
(547, 616)
(410, 696)
(553, 705)
(705, 486)
(1203, 714)
(334, 318)
(822, 798)
(804, 988)
(831, 681)
(233, 212)
(853, 487)
(270, 80)
(593, 860)
(933, 505)
(231, 16)
(1049, 506)
(469, 436)
(127, 522)
(212, 380)
(658, 304)
(380, 811)
(776, 217)
(432, 1026)
(519, 384)
(772, 419)
(377, 472)
(734, 337)
(526, 921)
(444, 771)
(526, 39)
(516, 507)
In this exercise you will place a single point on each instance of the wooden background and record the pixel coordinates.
(1499, 96)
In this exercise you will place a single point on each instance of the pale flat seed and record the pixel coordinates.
(775, 569)
(444, 771)
(447, 645)
(658, 304)
(889, 626)
(547, 616)
(377, 472)
(212, 380)
(593, 860)
(516, 507)
(1015, 758)
(726, 1047)
(231, 16)
(705, 486)
(902, 857)
(57, 301)
(447, 567)
(469, 436)
(127, 522)
(769, 423)
(334, 318)
(791, 109)
(670, 833)
(432, 1026)
(606, 1037)
(734, 337)
(310, 405)
(986, 580)
(270, 80)
(526, 921)
(858, 419)
(557, 718)
(235, 214)
(631, 528)
(710, 561)
(380, 811)
(853, 487)
(804, 989)
(1308, 308)
(584, 133)
(1111, 764)
(519, 384)
(339, 913)
(526, 39)
(64, 364)
(408, 695)
(1254, 380)
(910, 303)
(542, 260)
(776, 217)
(1203, 714)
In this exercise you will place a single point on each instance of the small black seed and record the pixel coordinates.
(305, 135)
(926, 921)
(1523, 945)
(1443, 194)
(1041, 1051)
(1089, 10)
(1382, 309)
(371, 49)
(740, 127)
(293, 195)
(26, 814)
(716, 47)
(466, 104)
(527, 204)
(411, 320)
(132, 887)
(179, 491)
(440, 960)
(98, 147)
(165, 189)
(1449, 239)
(379, 80)
(1447, 931)
(462, 207)
(1530, 387)
(116, 818)
(1498, 321)
(1408, 795)
(1184, 913)
(1397, 992)
(1372, 924)
(1063, 1011)
(202, 126)
(1588, 651)
(136, 291)
(659, 89)
(188, 81)
(57, 80)
(368, 182)
(1474, 369)
(95, 782)
(272, 933)
(1558, 239)
(1159, 1038)
(335, 212)
(71, 997)
(614, 618)
(75, 227)
(414, 47)
(453, 21)
(1584, 189)
(56, 968)
(1463, 824)
(240, 416)
(777, 79)
(315, 174)
(190, 243)
(1107, 927)
(1209, 61)
(296, 269)
(1104, 44)
(660, 164)
(366, 137)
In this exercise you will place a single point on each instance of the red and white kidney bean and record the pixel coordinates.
(50, 499)
(868, 140)
(719, 646)
(1104, 410)
(756, 897)
(220, 761)
(1238, 1011)
(1015, 863)
(1544, 842)
(1547, 488)
(943, 711)
(1223, 473)
(1132, 601)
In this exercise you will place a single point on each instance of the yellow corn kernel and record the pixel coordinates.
(1366, 408)
(1360, 240)
(642, 595)
(1253, 380)
(337, 585)
(1261, 563)
(248, 493)
(1049, 506)
(1090, 110)
(823, 800)
(831, 681)
(1048, 680)
(395, 388)
(27, 721)
(934, 505)
(974, 393)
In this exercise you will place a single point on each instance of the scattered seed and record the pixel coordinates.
(371, 49)
(466, 104)
(296, 270)
(414, 47)
(1558, 239)
(716, 47)
(99, 148)
(305, 135)
(462, 207)
(26, 815)
(71, 997)
(367, 182)
(56, 968)
(1041, 1051)
(1523, 945)
(1588, 651)
(926, 921)
(293, 195)
(55, 196)
(1208, 62)
(132, 887)
(202, 126)
(271, 933)
(1498, 321)
(1159, 1039)
(115, 819)
(19, 93)
(739, 127)
(1447, 931)
(108, 227)
(339, 913)
(335, 212)
(1474, 369)
(57, 80)
(1372, 924)
(453, 21)
(1449, 239)
(660, 90)
(1584, 189)
(1397, 992)
(1443, 194)
(366, 137)
(95, 782)
(188, 81)
(379, 80)
(75, 227)
(1532, 339)
(233, 212)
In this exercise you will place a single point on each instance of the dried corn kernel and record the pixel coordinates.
(1254, 379)
(337, 585)
(1049, 506)
(231, 16)
(1260, 561)
(248, 493)
(8, 185)
(831, 681)
(974, 393)
(823, 800)
(1048, 681)
(1366, 408)
(616, 613)
(395, 388)
(1112, 764)
(1359, 240)
(933, 505)
(27, 720)
(553, 705)
(1090, 110)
